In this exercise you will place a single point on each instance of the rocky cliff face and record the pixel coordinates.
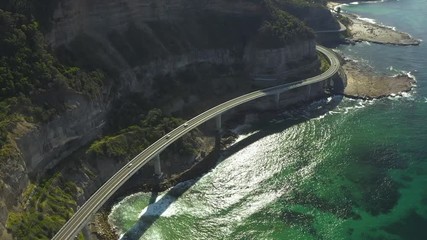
(74, 17)
(13, 183)
(276, 63)
(44, 146)
(171, 34)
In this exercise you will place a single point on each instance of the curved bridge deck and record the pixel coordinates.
(92, 205)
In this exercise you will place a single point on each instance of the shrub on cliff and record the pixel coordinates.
(41, 10)
(48, 206)
(27, 68)
(282, 29)
(32, 81)
(130, 141)
(32, 87)
(303, 3)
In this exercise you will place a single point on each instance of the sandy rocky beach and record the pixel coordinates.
(363, 81)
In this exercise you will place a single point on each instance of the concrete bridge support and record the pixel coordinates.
(277, 100)
(218, 122)
(328, 85)
(86, 231)
(309, 92)
(157, 167)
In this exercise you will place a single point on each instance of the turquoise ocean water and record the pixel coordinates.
(336, 169)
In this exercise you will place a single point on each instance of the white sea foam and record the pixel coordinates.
(410, 75)
(373, 21)
(354, 3)
(369, 20)
(340, 6)
(407, 95)
(371, 2)
(356, 105)
(321, 116)
(242, 136)
(240, 128)
(402, 95)
(127, 198)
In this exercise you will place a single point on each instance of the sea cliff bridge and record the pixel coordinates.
(152, 153)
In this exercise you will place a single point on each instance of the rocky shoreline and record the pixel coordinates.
(364, 83)
(363, 29)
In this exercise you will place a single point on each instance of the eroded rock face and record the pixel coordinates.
(141, 78)
(14, 180)
(129, 30)
(41, 147)
(276, 63)
(75, 16)
(46, 145)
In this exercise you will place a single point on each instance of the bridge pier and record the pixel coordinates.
(218, 122)
(309, 92)
(86, 231)
(331, 83)
(157, 167)
(277, 100)
(328, 85)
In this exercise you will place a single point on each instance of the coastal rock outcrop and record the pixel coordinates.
(364, 83)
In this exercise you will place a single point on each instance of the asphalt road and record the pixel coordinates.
(76, 223)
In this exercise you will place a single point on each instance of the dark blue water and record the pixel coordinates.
(358, 171)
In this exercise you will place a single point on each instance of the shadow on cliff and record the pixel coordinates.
(156, 208)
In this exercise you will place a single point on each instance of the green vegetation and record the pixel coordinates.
(41, 10)
(47, 208)
(33, 89)
(88, 53)
(28, 69)
(281, 29)
(130, 141)
(303, 3)
(311, 12)
(25, 64)
(32, 81)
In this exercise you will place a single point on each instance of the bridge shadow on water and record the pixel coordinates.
(157, 207)
(299, 115)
